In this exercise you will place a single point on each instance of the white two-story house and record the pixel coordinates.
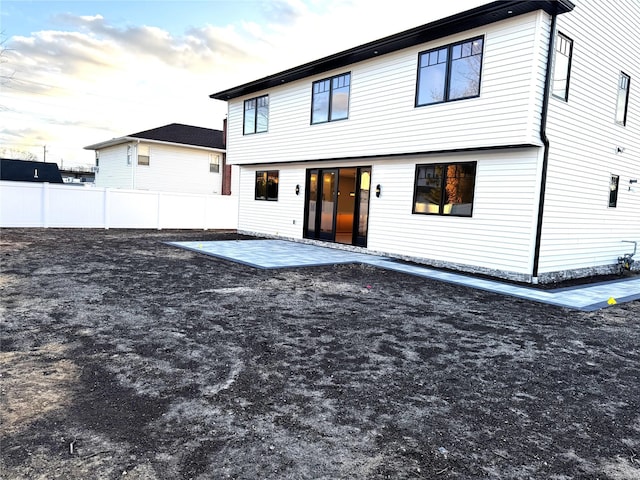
(502, 140)
(172, 158)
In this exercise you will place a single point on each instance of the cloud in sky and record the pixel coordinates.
(85, 78)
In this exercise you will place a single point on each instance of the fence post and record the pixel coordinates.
(106, 205)
(159, 202)
(45, 204)
(205, 199)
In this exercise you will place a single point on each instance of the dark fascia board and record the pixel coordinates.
(476, 17)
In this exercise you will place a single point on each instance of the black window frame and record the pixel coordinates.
(256, 101)
(330, 101)
(614, 188)
(442, 186)
(448, 71)
(623, 76)
(561, 36)
(268, 195)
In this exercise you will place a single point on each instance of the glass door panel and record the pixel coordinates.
(362, 207)
(312, 203)
(329, 196)
(346, 205)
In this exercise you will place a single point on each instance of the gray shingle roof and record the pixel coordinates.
(184, 134)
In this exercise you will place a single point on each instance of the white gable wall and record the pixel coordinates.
(113, 169)
(383, 118)
(580, 230)
(170, 169)
(177, 169)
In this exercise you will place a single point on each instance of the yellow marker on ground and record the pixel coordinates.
(611, 301)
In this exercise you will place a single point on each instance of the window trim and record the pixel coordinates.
(255, 118)
(441, 205)
(564, 97)
(626, 100)
(447, 79)
(330, 101)
(267, 174)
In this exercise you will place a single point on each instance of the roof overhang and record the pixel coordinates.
(476, 17)
(124, 140)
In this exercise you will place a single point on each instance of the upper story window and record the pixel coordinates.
(562, 67)
(330, 99)
(143, 154)
(445, 188)
(214, 163)
(623, 98)
(267, 185)
(256, 115)
(450, 73)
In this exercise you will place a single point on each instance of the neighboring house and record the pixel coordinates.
(78, 175)
(29, 171)
(503, 140)
(172, 158)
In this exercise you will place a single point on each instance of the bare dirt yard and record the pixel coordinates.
(123, 357)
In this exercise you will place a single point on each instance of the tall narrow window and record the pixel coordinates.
(143, 154)
(256, 115)
(613, 190)
(266, 185)
(623, 98)
(450, 73)
(445, 189)
(330, 99)
(562, 67)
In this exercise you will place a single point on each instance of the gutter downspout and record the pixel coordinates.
(545, 141)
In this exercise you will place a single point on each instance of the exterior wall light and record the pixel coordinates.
(378, 189)
(297, 189)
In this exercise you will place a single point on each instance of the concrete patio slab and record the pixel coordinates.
(270, 254)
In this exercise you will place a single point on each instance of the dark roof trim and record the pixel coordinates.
(424, 153)
(476, 17)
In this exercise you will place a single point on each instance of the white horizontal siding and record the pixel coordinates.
(382, 116)
(283, 217)
(177, 169)
(114, 172)
(580, 230)
(499, 235)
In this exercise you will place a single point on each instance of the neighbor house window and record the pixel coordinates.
(267, 185)
(445, 189)
(214, 163)
(450, 73)
(613, 190)
(256, 115)
(623, 99)
(562, 67)
(330, 99)
(143, 154)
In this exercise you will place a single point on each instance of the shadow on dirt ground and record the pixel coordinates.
(123, 357)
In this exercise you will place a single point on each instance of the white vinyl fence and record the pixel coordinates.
(26, 204)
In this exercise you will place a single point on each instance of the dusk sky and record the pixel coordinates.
(81, 72)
